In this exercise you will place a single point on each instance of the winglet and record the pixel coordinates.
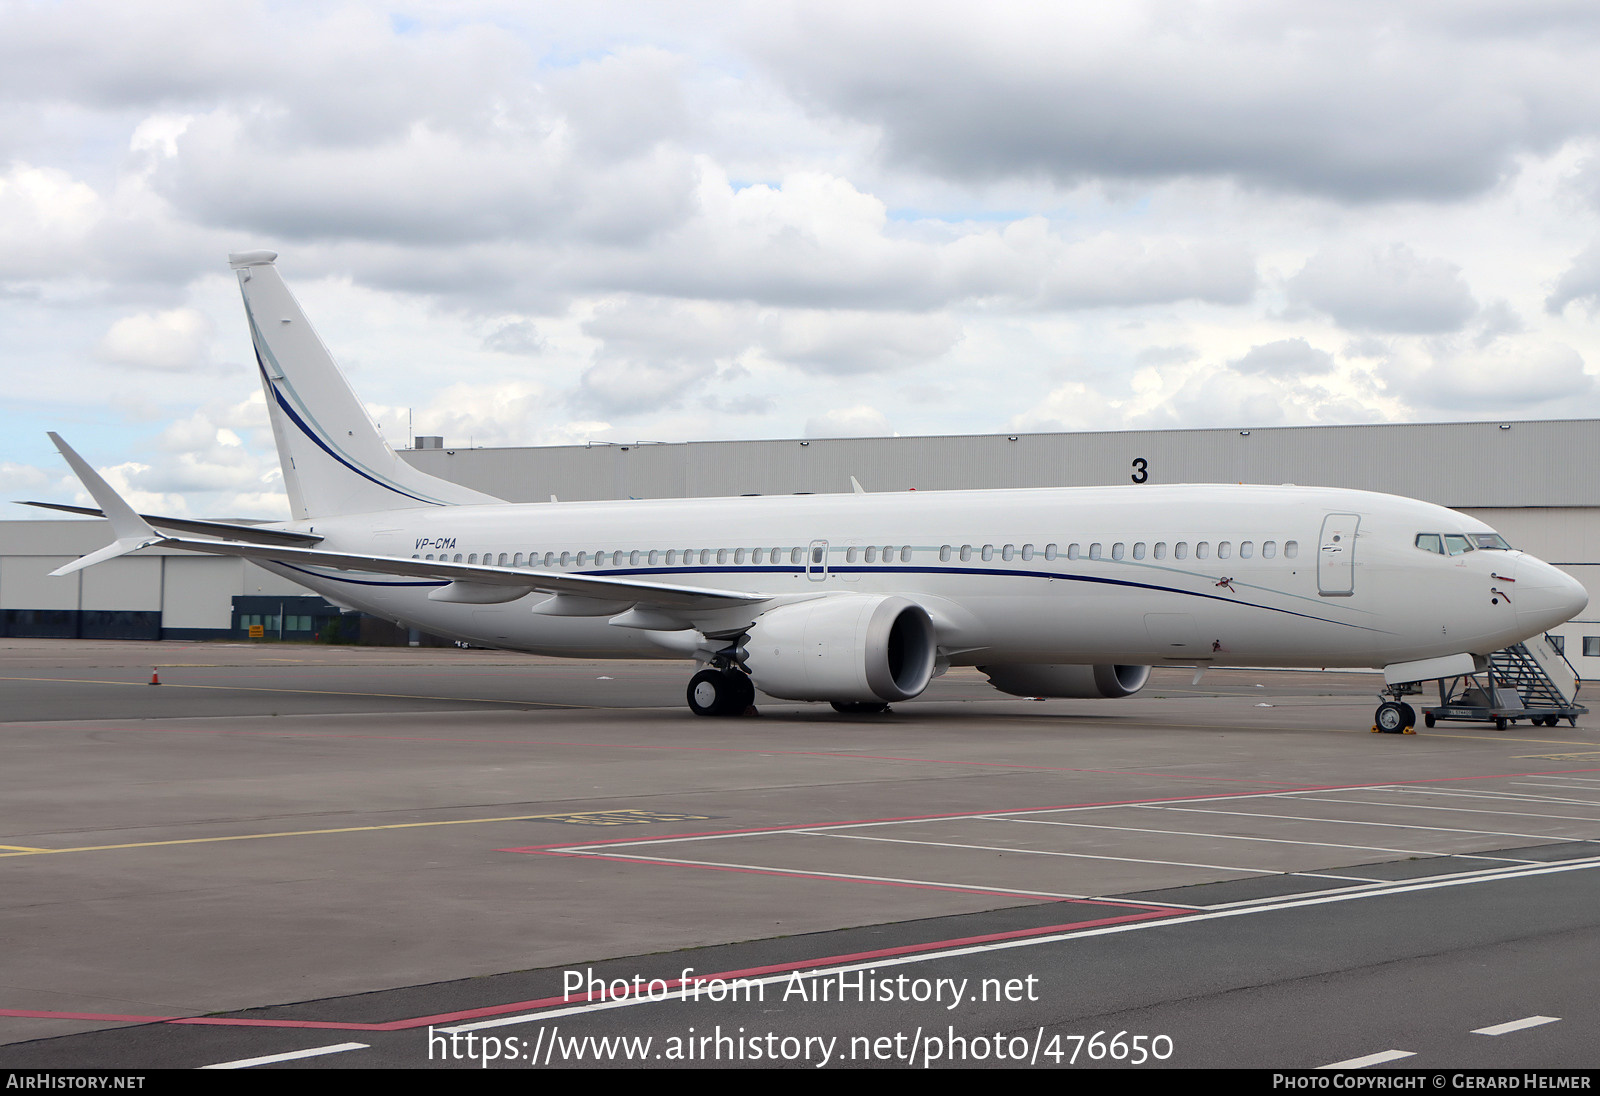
(132, 531)
(855, 485)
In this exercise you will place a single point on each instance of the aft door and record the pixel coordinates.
(1336, 556)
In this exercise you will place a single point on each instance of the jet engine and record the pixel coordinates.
(1079, 682)
(849, 648)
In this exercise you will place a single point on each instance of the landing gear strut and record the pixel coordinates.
(720, 691)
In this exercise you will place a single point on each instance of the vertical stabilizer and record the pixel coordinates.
(335, 460)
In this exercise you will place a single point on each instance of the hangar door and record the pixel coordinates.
(1336, 555)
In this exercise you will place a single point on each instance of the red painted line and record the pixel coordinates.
(586, 998)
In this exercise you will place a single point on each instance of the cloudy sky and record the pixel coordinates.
(528, 224)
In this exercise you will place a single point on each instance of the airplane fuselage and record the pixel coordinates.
(1190, 574)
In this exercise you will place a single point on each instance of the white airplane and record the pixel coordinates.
(861, 599)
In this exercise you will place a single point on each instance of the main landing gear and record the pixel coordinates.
(720, 691)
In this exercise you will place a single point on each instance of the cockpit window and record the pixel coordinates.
(1455, 544)
(1430, 542)
(1489, 540)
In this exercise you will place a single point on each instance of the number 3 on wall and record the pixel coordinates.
(1140, 470)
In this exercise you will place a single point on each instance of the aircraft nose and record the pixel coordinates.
(1546, 596)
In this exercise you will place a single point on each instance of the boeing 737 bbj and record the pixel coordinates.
(858, 599)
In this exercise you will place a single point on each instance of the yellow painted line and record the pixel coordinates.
(23, 848)
(296, 833)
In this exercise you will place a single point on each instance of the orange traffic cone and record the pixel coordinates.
(155, 678)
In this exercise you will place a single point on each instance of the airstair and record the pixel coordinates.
(1530, 680)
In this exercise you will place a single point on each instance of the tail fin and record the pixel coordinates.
(335, 461)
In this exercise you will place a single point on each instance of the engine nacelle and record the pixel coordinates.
(1079, 682)
(846, 647)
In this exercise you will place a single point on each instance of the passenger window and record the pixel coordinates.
(549, 559)
(966, 553)
(583, 558)
(798, 555)
(1138, 549)
(944, 553)
(705, 557)
(905, 554)
(722, 555)
(1050, 551)
(988, 552)
(672, 556)
(1007, 553)
(1161, 549)
(1116, 550)
(1072, 551)
(1269, 549)
(473, 558)
(1202, 550)
(502, 559)
(817, 554)
(1180, 550)
(1094, 550)
(1224, 549)
(1027, 551)
(1246, 549)
(1291, 549)
(872, 553)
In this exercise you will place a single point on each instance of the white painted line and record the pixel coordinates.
(1212, 836)
(1553, 784)
(269, 1059)
(812, 873)
(1509, 797)
(1382, 825)
(1516, 1025)
(1047, 852)
(1460, 810)
(1372, 1059)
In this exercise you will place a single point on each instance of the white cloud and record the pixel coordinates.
(176, 340)
(1384, 289)
(859, 421)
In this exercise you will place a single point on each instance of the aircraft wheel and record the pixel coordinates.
(858, 707)
(720, 692)
(1391, 717)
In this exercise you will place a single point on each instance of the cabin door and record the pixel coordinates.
(1336, 555)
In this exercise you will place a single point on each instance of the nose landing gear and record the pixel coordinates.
(1394, 717)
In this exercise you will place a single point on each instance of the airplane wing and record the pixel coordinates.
(514, 582)
(229, 529)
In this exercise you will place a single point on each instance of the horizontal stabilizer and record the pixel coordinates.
(233, 531)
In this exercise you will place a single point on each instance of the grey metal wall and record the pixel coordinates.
(1460, 465)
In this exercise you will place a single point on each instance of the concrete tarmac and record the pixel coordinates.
(338, 836)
